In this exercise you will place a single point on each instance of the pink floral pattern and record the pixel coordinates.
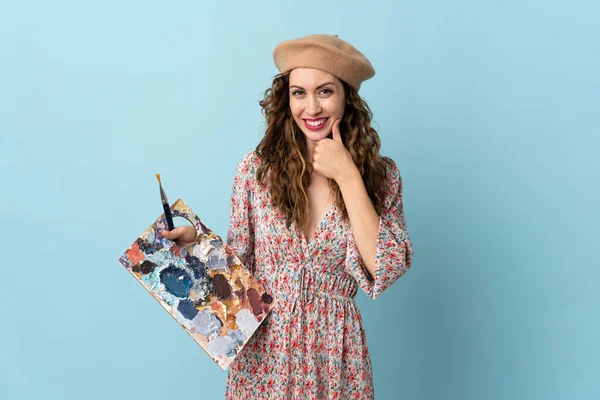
(313, 344)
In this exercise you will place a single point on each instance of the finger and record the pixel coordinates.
(336, 131)
(171, 235)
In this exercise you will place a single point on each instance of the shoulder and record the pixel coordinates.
(392, 172)
(248, 164)
(393, 180)
(250, 160)
(246, 169)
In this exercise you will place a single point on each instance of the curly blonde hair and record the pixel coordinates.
(283, 152)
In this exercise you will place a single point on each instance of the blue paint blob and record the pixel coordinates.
(237, 340)
(187, 309)
(220, 346)
(207, 323)
(176, 280)
(237, 336)
(215, 260)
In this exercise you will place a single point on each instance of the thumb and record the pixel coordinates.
(335, 130)
(174, 234)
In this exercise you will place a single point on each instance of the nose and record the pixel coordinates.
(314, 107)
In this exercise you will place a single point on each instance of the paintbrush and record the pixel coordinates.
(165, 204)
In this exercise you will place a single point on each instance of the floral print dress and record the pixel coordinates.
(313, 344)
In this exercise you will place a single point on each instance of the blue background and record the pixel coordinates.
(490, 109)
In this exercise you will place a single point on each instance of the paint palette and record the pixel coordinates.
(203, 286)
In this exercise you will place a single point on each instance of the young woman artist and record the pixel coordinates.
(316, 212)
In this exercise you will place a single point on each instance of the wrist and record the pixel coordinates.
(348, 177)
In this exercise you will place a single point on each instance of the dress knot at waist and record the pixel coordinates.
(305, 282)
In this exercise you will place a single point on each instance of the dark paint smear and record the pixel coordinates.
(267, 298)
(147, 267)
(176, 281)
(241, 294)
(221, 287)
(266, 308)
(142, 244)
(205, 230)
(196, 265)
(187, 309)
(229, 261)
(255, 302)
(136, 268)
(148, 247)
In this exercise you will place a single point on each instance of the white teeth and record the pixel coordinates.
(315, 123)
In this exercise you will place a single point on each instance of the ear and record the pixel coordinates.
(335, 131)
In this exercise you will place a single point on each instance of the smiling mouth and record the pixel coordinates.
(315, 124)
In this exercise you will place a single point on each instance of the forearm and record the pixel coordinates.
(364, 220)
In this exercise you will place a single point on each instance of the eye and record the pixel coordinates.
(327, 91)
(296, 92)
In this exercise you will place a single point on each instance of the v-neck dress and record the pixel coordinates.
(313, 344)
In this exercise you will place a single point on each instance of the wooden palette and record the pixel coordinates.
(203, 286)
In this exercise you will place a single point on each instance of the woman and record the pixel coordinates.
(316, 212)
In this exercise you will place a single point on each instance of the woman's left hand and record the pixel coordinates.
(330, 156)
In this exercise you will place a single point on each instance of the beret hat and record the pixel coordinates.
(327, 53)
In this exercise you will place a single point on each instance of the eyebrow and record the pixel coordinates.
(318, 87)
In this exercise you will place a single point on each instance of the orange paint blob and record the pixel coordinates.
(134, 254)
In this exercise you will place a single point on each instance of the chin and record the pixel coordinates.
(316, 136)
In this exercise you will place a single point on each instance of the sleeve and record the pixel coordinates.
(240, 235)
(394, 251)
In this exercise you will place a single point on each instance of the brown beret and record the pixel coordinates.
(327, 53)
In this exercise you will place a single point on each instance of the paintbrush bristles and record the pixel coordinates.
(163, 196)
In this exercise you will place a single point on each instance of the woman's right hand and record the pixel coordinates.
(182, 235)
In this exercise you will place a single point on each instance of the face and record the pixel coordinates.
(317, 100)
